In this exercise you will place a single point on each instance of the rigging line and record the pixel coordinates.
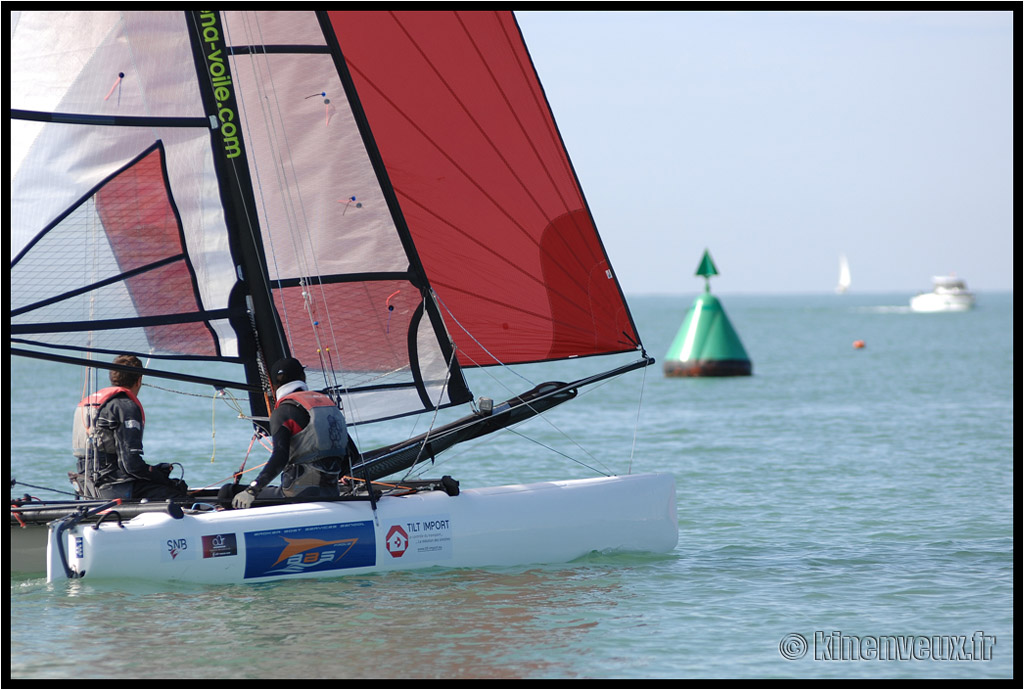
(221, 393)
(520, 424)
(310, 270)
(236, 476)
(241, 97)
(94, 232)
(543, 414)
(555, 450)
(636, 424)
(454, 452)
(177, 392)
(511, 430)
(478, 343)
(291, 195)
(540, 414)
(313, 255)
(216, 485)
(437, 407)
(308, 265)
(569, 438)
(277, 134)
(293, 223)
(252, 224)
(43, 488)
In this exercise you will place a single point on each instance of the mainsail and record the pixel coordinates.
(383, 195)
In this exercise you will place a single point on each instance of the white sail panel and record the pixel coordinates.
(115, 66)
(308, 161)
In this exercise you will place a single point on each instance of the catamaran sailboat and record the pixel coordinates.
(382, 195)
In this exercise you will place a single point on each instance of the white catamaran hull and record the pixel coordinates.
(551, 522)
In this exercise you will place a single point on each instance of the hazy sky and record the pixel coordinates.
(779, 140)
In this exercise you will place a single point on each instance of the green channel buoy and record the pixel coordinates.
(707, 344)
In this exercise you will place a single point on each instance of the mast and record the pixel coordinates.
(261, 338)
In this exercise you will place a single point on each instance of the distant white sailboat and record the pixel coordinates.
(844, 275)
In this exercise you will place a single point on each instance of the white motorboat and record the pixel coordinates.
(949, 293)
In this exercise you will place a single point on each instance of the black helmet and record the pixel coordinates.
(287, 370)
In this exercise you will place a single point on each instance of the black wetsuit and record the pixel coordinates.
(287, 421)
(115, 468)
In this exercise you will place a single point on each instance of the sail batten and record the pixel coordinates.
(114, 120)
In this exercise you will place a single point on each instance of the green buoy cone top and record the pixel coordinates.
(707, 266)
(707, 344)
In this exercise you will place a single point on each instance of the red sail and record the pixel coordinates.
(143, 231)
(484, 184)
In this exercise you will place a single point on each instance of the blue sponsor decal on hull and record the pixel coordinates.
(298, 550)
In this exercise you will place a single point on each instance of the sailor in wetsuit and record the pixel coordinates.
(310, 441)
(107, 443)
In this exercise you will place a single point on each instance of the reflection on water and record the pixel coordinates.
(437, 624)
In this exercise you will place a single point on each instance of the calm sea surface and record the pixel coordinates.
(848, 498)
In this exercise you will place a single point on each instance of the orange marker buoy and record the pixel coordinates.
(858, 344)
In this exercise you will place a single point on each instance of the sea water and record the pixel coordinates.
(843, 513)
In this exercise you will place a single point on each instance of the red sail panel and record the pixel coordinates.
(143, 230)
(484, 184)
